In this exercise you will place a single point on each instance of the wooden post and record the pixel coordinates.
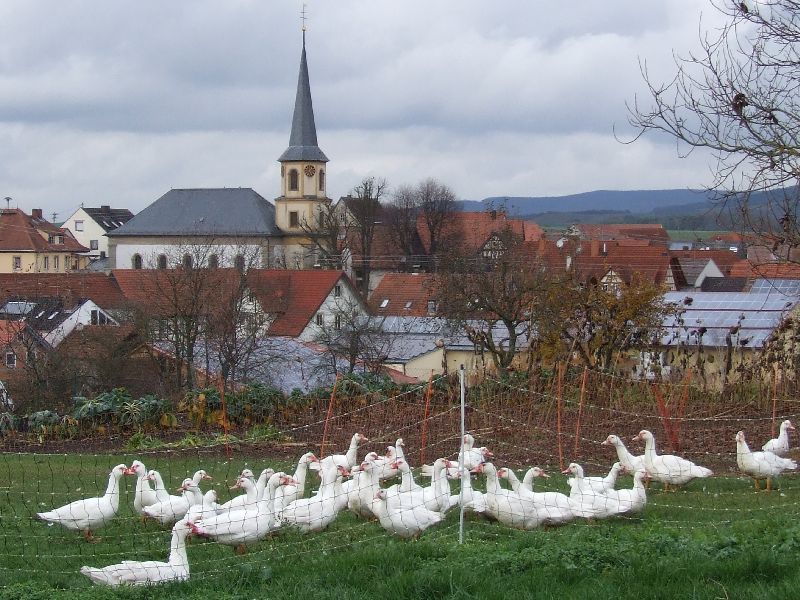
(559, 399)
(580, 408)
(425, 420)
(328, 418)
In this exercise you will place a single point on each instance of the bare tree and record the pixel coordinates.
(365, 212)
(354, 339)
(490, 297)
(737, 97)
(437, 204)
(326, 237)
(401, 218)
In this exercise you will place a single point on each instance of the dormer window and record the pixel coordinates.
(294, 180)
(55, 238)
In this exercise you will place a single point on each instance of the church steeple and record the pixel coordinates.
(303, 139)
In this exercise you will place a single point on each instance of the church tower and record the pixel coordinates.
(303, 172)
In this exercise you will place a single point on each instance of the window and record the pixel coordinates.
(238, 262)
(136, 261)
(46, 263)
(93, 245)
(337, 290)
(294, 180)
(213, 261)
(11, 360)
(431, 307)
(294, 220)
(321, 180)
(337, 322)
(99, 317)
(55, 238)
(408, 304)
(67, 263)
(385, 303)
(187, 261)
(17, 261)
(320, 319)
(162, 261)
(56, 263)
(78, 225)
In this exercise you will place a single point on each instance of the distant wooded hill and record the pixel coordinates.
(675, 209)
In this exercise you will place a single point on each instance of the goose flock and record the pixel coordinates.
(277, 500)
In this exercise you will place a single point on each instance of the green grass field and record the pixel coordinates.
(714, 539)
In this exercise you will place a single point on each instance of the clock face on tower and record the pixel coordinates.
(310, 170)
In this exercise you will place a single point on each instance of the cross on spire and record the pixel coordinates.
(303, 17)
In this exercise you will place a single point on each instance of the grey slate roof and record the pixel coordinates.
(205, 211)
(303, 140)
(723, 284)
(109, 218)
(709, 316)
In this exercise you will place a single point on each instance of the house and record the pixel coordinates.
(652, 232)
(691, 267)
(225, 227)
(716, 331)
(102, 289)
(90, 225)
(405, 295)
(30, 244)
(53, 319)
(303, 303)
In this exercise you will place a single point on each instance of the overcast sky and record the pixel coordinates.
(115, 102)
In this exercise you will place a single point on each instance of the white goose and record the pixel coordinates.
(243, 526)
(286, 494)
(134, 572)
(585, 501)
(634, 499)
(760, 465)
(91, 513)
(470, 457)
(252, 493)
(366, 483)
(505, 505)
(601, 484)
(631, 462)
(780, 444)
(145, 495)
(406, 522)
(392, 454)
(207, 508)
(319, 511)
(175, 508)
(350, 458)
(473, 500)
(668, 468)
(551, 507)
(435, 497)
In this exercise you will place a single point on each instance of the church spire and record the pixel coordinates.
(303, 139)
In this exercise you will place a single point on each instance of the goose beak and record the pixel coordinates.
(545, 475)
(605, 443)
(566, 471)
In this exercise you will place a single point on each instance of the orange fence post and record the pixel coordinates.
(558, 414)
(328, 418)
(580, 408)
(665, 417)
(425, 419)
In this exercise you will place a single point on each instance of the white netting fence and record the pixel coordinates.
(547, 422)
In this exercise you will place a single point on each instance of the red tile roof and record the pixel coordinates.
(620, 231)
(294, 296)
(21, 232)
(97, 287)
(594, 259)
(744, 268)
(9, 332)
(473, 229)
(404, 295)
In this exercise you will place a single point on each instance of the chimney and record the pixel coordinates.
(595, 248)
(105, 208)
(36, 213)
(542, 242)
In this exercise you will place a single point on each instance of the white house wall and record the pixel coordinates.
(328, 310)
(150, 252)
(82, 316)
(91, 231)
